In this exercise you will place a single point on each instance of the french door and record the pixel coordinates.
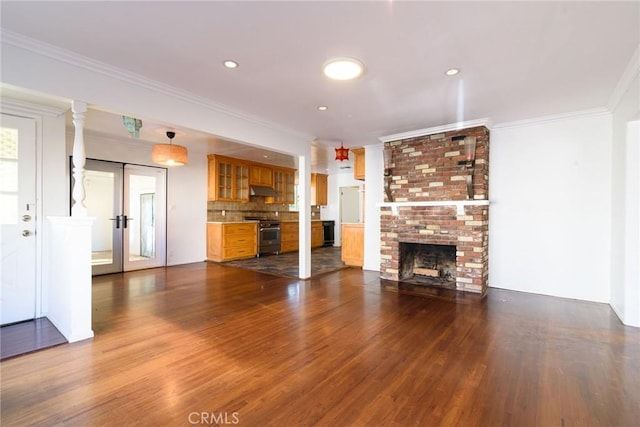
(129, 204)
(17, 219)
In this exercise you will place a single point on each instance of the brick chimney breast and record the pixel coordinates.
(426, 169)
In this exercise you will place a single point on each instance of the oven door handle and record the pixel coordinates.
(270, 228)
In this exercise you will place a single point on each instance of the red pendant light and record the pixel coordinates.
(342, 153)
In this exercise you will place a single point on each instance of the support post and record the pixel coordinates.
(78, 208)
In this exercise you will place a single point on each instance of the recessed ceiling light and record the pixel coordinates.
(343, 68)
(229, 63)
(322, 107)
(452, 71)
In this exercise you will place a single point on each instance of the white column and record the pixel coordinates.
(304, 215)
(78, 209)
(374, 183)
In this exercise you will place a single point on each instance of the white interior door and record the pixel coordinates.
(144, 219)
(17, 219)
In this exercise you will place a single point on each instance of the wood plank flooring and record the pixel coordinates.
(209, 344)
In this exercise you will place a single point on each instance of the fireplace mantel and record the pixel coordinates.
(459, 204)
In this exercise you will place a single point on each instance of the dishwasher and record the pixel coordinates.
(328, 233)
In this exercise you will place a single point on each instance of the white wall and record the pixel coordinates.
(53, 197)
(186, 193)
(625, 282)
(549, 219)
(631, 312)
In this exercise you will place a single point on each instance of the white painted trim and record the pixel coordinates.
(74, 59)
(459, 204)
(629, 74)
(437, 129)
(554, 118)
(28, 109)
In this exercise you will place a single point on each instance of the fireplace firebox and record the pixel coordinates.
(427, 264)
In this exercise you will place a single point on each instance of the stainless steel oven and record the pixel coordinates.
(268, 235)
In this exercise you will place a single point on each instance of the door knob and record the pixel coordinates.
(117, 220)
(26, 233)
(26, 218)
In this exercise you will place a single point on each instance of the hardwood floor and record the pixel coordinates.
(207, 344)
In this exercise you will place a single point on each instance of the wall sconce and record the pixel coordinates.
(469, 151)
(133, 126)
(170, 154)
(387, 155)
(469, 159)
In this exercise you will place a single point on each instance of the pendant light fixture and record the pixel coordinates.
(342, 153)
(170, 154)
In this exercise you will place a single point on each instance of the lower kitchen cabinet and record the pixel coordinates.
(227, 241)
(317, 234)
(290, 232)
(289, 236)
(353, 244)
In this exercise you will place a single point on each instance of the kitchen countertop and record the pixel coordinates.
(230, 222)
(248, 221)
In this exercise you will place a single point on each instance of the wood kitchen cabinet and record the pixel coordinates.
(318, 189)
(353, 244)
(317, 234)
(284, 185)
(228, 179)
(358, 163)
(227, 241)
(261, 175)
(289, 236)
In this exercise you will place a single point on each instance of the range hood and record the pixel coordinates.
(260, 190)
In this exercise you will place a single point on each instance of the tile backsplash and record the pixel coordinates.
(237, 211)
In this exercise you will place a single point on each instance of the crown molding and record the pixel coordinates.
(629, 74)
(554, 118)
(21, 107)
(74, 59)
(437, 129)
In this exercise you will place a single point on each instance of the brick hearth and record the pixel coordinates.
(425, 169)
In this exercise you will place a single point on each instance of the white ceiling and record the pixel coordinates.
(518, 60)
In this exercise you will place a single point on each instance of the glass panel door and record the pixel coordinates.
(129, 204)
(242, 182)
(144, 221)
(103, 185)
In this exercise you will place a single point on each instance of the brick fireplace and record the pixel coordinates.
(432, 215)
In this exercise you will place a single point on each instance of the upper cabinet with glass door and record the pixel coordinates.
(284, 184)
(228, 179)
